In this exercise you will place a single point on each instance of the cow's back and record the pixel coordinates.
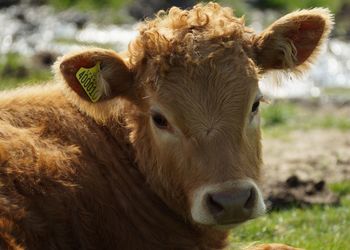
(56, 170)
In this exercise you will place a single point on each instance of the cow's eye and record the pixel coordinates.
(159, 120)
(255, 107)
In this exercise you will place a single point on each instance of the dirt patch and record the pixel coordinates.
(298, 167)
(296, 192)
(317, 154)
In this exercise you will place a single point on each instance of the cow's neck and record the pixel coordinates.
(158, 223)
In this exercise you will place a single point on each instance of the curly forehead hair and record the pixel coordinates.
(189, 34)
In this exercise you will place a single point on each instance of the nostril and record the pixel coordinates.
(215, 207)
(250, 203)
(232, 205)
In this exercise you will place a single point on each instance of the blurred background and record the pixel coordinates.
(306, 128)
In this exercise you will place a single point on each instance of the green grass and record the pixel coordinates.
(278, 114)
(342, 188)
(282, 117)
(314, 228)
(329, 121)
(17, 71)
(11, 83)
(336, 91)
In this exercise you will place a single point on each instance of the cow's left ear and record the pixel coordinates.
(293, 41)
(96, 75)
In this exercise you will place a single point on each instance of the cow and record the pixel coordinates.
(157, 147)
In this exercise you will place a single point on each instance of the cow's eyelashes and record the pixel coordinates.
(159, 120)
(256, 104)
(255, 107)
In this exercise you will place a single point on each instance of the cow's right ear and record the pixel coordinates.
(97, 75)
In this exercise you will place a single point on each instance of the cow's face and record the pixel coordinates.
(204, 122)
(194, 113)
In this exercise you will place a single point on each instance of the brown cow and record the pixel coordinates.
(158, 148)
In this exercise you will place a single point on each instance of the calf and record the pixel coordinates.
(155, 148)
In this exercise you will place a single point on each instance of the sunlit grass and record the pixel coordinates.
(6, 84)
(336, 91)
(282, 117)
(313, 228)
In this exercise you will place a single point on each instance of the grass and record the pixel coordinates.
(282, 117)
(17, 71)
(336, 91)
(314, 228)
(329, 121)
(10, 83)
(342, 188)
(278, 114)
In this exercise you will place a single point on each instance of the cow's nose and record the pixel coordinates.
(232, 206)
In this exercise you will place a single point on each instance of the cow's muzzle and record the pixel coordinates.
(229, 203)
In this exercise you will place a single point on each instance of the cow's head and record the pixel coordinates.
(190, 95)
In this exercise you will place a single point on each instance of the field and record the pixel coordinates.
(316, 227)
(313, 141)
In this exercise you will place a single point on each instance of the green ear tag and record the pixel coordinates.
(87, 78)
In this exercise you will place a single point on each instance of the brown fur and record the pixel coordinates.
(69, 183)
(82, 175)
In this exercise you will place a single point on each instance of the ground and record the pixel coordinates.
(319, 153)
(309, 138)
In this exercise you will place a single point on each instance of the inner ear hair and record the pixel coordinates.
(115, 76)
(293, 42)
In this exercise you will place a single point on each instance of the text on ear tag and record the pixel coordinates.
(87, 78)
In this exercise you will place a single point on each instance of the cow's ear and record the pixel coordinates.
(293, 41)
(96, 75)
